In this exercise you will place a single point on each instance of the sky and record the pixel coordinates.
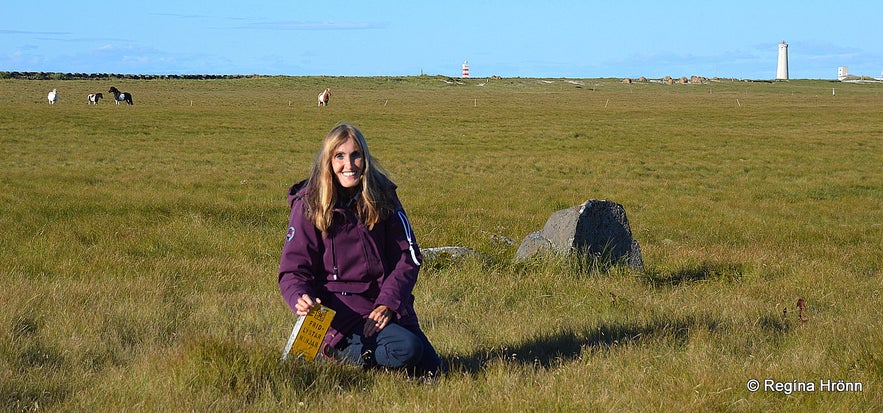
(512, 38)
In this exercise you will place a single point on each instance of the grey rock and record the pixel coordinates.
(598, 228)
(447, 253)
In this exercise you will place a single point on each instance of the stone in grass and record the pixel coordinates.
(598, 229)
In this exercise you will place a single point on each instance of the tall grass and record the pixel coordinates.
(140, 244)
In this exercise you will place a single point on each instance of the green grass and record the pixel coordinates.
(140, 244)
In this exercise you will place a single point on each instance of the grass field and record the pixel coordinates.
(140, 243)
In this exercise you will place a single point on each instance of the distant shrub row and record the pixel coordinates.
(79, 76)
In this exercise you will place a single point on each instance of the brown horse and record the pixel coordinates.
(324, 97)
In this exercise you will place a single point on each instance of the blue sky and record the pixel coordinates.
(575, 39)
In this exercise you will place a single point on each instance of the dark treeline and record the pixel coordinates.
(80, 76)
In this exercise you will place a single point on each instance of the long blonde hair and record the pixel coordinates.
(376, 198)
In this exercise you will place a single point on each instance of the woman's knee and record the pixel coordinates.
(398, 348)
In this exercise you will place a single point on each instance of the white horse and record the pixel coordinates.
(324, 97)
(53, 96)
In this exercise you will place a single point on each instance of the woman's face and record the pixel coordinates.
(347, 164)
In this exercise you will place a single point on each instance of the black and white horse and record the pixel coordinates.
(121, 96)
(94, 98)
(324, 97)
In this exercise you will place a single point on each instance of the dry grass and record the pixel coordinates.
(140, 243)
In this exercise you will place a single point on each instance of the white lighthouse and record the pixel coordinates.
(465, 68)
(782, 68)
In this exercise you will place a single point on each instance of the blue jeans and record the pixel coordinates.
(394, 347)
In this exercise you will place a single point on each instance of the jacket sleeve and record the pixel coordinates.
(404, 257)
(301, 260)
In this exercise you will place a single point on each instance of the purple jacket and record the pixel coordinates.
(353, 269)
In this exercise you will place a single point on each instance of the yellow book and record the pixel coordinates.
(308, 332)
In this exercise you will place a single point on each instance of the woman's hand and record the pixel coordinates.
(304, 304)
(378, 320)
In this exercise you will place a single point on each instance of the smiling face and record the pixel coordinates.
(347, 164)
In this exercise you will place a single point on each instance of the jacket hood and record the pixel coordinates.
(297, 191)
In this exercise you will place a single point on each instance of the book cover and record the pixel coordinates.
(308, 332)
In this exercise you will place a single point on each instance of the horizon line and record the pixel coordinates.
(79, 75)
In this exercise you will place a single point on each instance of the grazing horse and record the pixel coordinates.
(121, 96)
(53, 96)
(94, 98)
(324, 97)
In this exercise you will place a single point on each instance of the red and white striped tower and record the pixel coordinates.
(465, 68)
